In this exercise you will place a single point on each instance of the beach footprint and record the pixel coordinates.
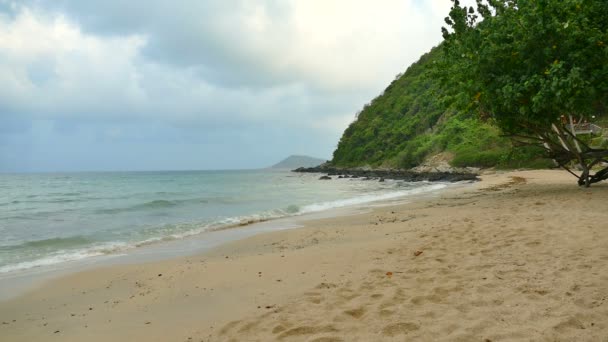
(401, 328)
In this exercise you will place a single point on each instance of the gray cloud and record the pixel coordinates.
(210, 36)
(199, 72)
(238, 43)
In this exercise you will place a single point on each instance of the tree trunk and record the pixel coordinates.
(564, 147)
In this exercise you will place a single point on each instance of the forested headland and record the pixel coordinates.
(509, 87)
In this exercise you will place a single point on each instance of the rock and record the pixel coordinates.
(396, 174)
(381, 179)
(324, 178)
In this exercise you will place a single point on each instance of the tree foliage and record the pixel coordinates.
(407, 108)
(525, 63)
(415, 117)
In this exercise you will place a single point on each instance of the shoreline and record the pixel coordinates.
(15, 283)
(513, 257)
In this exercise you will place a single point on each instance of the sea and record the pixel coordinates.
(54, 218)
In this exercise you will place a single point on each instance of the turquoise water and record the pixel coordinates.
(47, 219)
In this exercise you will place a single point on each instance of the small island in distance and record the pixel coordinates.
(296, 161)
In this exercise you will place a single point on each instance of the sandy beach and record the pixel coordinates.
(520, 256)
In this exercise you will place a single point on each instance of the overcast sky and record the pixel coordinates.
(191, 84)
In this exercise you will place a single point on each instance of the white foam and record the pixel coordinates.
(66, 256)
(62, 256)
(370, 198)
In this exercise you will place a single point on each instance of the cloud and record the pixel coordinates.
(111, 57)
(49, 68)
(327, 44)
(231, 66)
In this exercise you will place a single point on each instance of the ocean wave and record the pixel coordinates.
(62, 256)
(52, 243)
(80, 247)
(71, 193)
(295, 210)
(155, 204)
(166, 204)
(9, 203)
(369, 198)
(61, 200)
(58, 200)
(66, 193)
(36, 215)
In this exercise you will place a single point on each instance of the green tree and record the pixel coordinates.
(525, 63)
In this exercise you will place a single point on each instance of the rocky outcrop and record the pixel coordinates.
(440, 162)
(405, 175)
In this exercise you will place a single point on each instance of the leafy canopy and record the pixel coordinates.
(417, 117)
(526, 62)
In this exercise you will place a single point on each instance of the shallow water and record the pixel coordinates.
(47, 219)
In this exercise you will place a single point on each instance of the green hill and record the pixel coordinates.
(417, 117)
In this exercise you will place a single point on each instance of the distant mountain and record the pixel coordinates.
(295, 161)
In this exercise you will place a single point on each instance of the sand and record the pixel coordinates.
(519, 256)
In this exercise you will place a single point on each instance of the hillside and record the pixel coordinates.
(296, 161)
(417, 117)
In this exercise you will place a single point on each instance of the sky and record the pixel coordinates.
(189, 85)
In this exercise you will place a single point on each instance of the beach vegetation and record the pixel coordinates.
(418, 116)
(503, 90)
(535, 68)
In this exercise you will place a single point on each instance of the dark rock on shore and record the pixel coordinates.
(324, 178)
(405, 175)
